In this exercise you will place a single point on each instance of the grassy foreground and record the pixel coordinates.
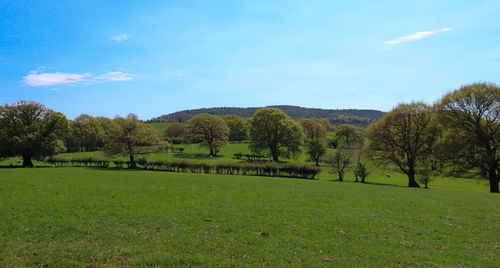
(91, 217)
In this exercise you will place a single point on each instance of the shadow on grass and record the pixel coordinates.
(371, 183)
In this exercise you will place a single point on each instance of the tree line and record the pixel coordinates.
(458, 133)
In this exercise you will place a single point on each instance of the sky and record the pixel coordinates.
(109, 58)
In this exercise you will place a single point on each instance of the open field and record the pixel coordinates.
(159, 126)
(96, 217)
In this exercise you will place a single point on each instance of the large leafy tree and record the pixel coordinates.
(174, 130)
(238, 127)
(472, 116)
(274, 131)
(348, 137)
(88, 131)
(211, 130)
(128, 135)
(30, 130)
(404, 136)
(312, 129)
(316, 148)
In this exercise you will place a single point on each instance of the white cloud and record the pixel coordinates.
(37, 79)
(416, 36)
(114, 76)
(120, 37)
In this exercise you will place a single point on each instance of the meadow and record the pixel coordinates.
(109, 217)
(78, 216)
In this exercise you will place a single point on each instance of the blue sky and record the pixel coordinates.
(155, 57)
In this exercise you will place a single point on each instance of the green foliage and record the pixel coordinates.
(128, 135)
(361, 165)
(88, 133)
(272, 130)
(424, 176)
(316, 149)
(473, 113)
(339, 161)
(347, 136)
(312, 129)
(29, 129)
(405, 136)
(174, 130)
(336, 117)
(238, 128)
(211, 130)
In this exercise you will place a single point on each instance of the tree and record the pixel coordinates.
(29, 129)
(210, 129)
(88, 131)
(347, 136)
(271, 129)
(361, 166)
(127, 135)
(238, 128)
(473, 113)
(312, 129)
(174, 130)
(316, 149)
(404, 136)
(339, 161)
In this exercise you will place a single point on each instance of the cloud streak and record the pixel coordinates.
(37, 79)
(120, 37)
(416, 36)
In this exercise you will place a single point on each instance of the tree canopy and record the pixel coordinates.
(404, 137)
(347, 136)
(174, 130)
(29, 129)
(127, 135)
(312, 129)
(472, 113)
(238, 127)
(88, 132)
(274, 131)
(211, 130)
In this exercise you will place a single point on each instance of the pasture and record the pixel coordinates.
(109, 217)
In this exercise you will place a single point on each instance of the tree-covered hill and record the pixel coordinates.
(335, 116)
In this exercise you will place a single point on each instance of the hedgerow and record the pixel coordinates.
(268, 169)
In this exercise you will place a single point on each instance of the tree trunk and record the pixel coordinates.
(132, 162)
(27, 161)
(493, 176)
(275, 157)
(212, 153)
(411, 179)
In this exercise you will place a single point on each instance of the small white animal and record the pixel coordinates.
(387, 175)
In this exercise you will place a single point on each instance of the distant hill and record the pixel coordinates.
(336, 117)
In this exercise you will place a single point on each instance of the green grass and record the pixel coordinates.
(67, 217)
(160, 126)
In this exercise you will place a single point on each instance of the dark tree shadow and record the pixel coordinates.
(371, 183)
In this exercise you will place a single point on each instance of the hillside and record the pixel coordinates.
(335, 116)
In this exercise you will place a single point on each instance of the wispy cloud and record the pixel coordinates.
(120, 37)
(416, 36)
(37, 79)
(114, 76)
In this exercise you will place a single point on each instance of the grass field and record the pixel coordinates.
(160, 126)
(97, 217)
